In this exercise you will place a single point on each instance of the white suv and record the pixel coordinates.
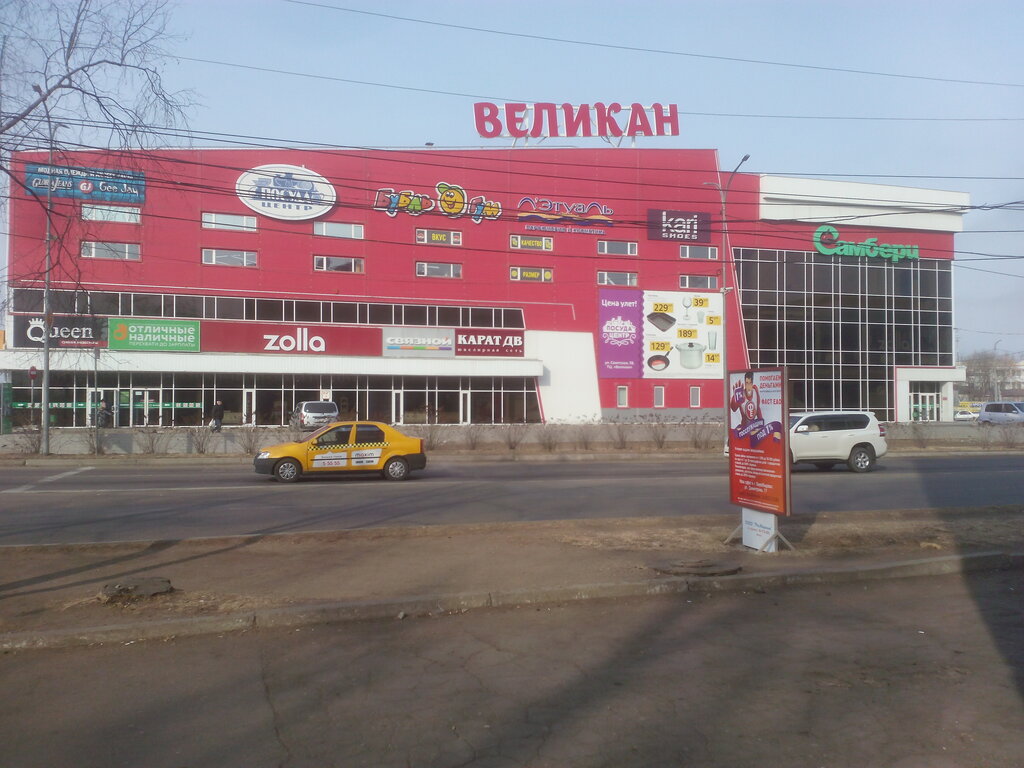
(313, 414)
(827, 438)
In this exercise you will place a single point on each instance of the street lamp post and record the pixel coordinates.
(726, 256)
(44, 403)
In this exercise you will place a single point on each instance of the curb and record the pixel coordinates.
(417, 606)
(442, 456)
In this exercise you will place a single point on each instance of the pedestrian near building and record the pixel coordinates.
(104, 418)
(216, 416)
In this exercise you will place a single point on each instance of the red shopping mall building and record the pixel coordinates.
(466, 286)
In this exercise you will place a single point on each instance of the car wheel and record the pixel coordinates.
(396, 469)
(862, 459)
(287, 471)
(824, 466)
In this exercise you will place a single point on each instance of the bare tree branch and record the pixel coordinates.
(81, 73)
(90, 61)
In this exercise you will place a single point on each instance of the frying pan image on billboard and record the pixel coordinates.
(658, 362)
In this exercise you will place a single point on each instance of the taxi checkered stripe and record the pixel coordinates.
(352, 446)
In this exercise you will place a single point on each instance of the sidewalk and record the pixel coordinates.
(49, 595)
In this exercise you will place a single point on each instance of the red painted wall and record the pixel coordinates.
(182, 184)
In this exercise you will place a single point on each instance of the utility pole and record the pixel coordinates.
(44, 404)
(726, 256)
(996, 373)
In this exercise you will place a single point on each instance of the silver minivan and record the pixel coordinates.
(313, 414)
(1006, 412)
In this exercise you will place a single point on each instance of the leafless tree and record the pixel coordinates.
(93, 65)
(82, 74)
(991, 374)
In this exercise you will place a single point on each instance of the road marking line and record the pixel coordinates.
(31, 486)
(175, 489)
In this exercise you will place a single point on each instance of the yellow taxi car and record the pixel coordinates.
(344, 446)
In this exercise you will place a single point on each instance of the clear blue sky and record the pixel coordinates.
(428, 76)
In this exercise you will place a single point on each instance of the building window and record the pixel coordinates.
(699, 282)
(225, 258)
(531, 274)
(617, 278)
(338, 229)
(622, 397)
(616, 247)
(659, 397)
(121, 214)
(433, 269)
(695, 397)
(438, 237)
(121, 251)
(338, 264)
(531, 243)
(29, 300)
(230, 221)
(698, 252)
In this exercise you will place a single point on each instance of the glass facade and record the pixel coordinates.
(840, 328)
(30, 300)
(184, 399)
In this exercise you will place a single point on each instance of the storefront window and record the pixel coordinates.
(270, 309)
(307, 312)
(147, 305)
(381, 314)
(188, 306)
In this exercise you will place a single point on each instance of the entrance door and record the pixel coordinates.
(92, 404)
(398, 407)
(924, 406)
(145, 408)
(248, 407)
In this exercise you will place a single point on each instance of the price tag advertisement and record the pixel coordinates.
(759, 440)
(682, 335)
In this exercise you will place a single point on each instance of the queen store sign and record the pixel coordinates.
(65, 331)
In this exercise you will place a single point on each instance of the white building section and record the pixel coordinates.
(568, 383)
(868, 205)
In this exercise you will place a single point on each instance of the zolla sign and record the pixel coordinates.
(826, 240)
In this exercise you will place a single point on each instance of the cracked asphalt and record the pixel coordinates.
(911, 673)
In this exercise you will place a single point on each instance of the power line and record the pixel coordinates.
(623, 224)
(659, 51)
(244, 141)
(484, 164)
(738, 115)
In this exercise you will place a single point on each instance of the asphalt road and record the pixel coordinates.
(104, 502)
(917, 673)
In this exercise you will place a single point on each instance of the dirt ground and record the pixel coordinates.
(58, 587)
